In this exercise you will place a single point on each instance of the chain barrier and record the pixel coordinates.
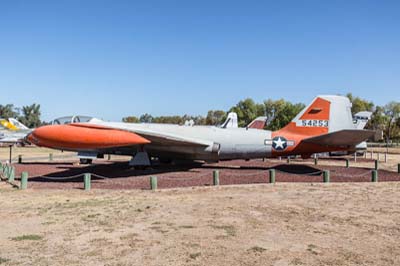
(55, 178)
(99, 176)
(242, 174)
(60, 177)
(311, 173)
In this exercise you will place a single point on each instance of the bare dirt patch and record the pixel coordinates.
(281, 224)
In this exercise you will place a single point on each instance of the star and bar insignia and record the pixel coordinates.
(279, 143)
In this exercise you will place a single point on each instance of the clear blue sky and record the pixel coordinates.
(111, 59)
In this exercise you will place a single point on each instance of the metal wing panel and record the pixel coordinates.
(158, 137)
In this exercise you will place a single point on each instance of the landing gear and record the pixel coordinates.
(141, 159)
(85, 161)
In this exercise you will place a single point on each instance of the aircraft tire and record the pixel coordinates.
(85, 161)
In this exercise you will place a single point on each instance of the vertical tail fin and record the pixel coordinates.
(231, 121)
(258, 123)
(326, 113)
(17, 124)
(8, 125)
(361, 119)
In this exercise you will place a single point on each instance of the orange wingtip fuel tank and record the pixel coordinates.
(83, 137)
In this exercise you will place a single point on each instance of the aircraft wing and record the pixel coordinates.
(170, 139)
(346, 137)
(10, 140)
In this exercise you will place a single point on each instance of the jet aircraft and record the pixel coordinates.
(12, 131)
(325, 125)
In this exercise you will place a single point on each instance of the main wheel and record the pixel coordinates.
(85, 161)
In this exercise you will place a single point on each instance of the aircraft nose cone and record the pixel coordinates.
(37, 136)
(29, 138)
(83, 137)
(40, 134)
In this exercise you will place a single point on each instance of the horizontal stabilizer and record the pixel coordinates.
(346, 137)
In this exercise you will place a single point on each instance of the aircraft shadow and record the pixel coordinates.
(287, 168)
(114, 170)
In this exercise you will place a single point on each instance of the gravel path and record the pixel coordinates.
(121, 176)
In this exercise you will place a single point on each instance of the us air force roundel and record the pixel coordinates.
(279, 143)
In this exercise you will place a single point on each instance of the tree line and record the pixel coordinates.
(279, 113)
(28, 115)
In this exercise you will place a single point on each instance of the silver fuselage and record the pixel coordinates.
(219, 143)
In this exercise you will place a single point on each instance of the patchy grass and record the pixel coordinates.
(27, 237)
(158, 229)
(187, 226)
(311, 248)
(93, 215)
(194, 256)
(229, 229)
(129, 236)
(297, 261)
(3, 260)
(257, 249)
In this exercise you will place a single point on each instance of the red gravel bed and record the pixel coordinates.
(121, 176)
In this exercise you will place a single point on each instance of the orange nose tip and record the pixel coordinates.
(29, 138)
(81, 137)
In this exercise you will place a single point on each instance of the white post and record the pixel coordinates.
(355, 157)
(385, 157)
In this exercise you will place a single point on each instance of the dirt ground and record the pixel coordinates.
(281, 224)
(33, 153)
(253, 224)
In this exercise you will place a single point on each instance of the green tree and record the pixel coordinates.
(146, 118)
(359, 104)
(280, 112)
(247, 110)
(200, 120)
(175, 119)
(8, 110)
(215, 117)
(31, 115)
(378, 119)
(392, 112)
(130, 119)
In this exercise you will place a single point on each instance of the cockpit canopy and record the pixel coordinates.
(71, 119)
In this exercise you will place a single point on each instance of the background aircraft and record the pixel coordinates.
(325, 125)
(360, 120)
(12, 131)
